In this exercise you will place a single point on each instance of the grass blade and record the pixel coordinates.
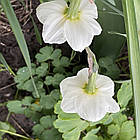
(3, 61)
(38, 36)
(12, 133)
(134, 55)
(6, 5)
(137, 8)
(112, 7)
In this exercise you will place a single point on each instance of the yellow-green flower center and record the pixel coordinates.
(85, 89)
(73, 12)
(90, 87)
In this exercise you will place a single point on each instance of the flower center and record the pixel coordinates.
(85, 89)
(90, 87)
(73, 12)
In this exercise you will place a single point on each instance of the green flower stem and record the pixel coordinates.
(93, 65)
(14, 134)
(93, 71)
(91, 86)
(73, 11)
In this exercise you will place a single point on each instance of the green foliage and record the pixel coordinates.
(27, 106)
(3, 61)
(41, 71)
(60, 64)
(125, 94)
(37, 33)
(9, 12)
(112, 2)
(48, 101)
(54, 80)
(47, 58)
(51, 68)
(127, 131)
(50, 121)
(123, 132)
(16, 107)
(48, 53)
(48, 61)
(111, 19)
(119, 118)
(113, 129)
(62, 115)
(121, 128)
(45, 54)
(114, 126)
(5, 126)
(71, 129)
(45, 129)
(108, 67)
(32, 108)
(23, 74)
(58, 61)
(91, 135)
(69, 124)
(132, 20)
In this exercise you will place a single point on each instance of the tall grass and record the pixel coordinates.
(6, 5)
(132, 25)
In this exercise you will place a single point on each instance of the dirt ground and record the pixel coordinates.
(11, 52)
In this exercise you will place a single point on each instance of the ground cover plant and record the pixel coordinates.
(69, 77)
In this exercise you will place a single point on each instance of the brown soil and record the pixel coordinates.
(11, 52)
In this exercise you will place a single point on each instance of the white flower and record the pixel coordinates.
(58, 28)
(89, 107)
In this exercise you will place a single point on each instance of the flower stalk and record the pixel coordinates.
(73, 11)
(91, 86)
(93, 71)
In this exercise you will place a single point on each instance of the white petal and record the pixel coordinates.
(93, 25)
(78, 34)
(53, 29)
(67, 105)
(47, 8)
(113, 107)
(90, 107)
(104, 85)
(83, 75)
(88, 9)
(72, 86)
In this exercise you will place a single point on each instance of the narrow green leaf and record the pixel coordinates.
(38, 36)
(104, 45)
(15, 134)
(137, 8)
(134, 53)
(6, 5)
(113, 7)
(3, 61)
